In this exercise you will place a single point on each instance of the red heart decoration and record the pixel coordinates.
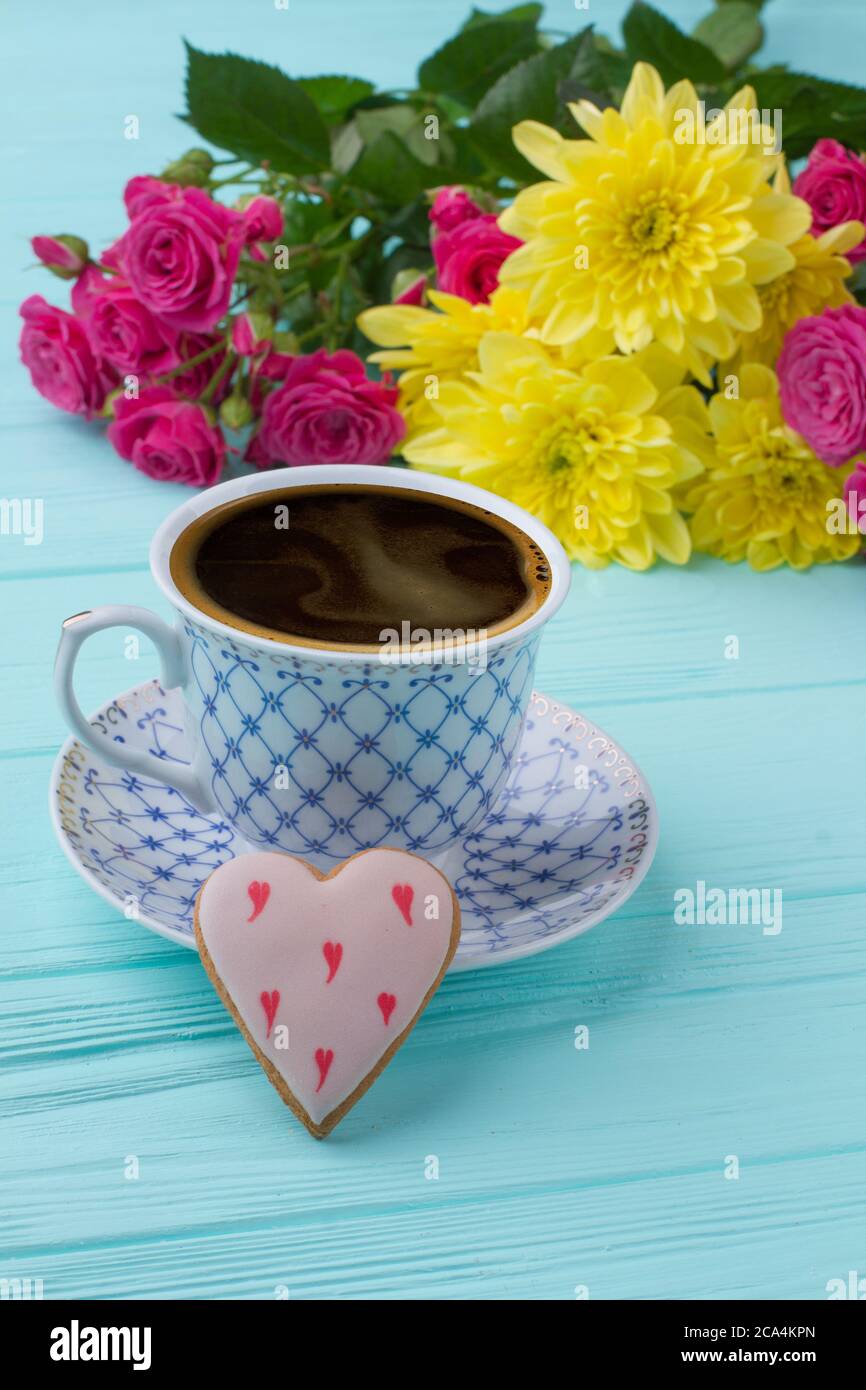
(323, 1062)
(333, 953)
(270, 1004)
(387, 1003)
(403, 893)
(259, 894)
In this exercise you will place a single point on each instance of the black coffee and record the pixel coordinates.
(341, 564)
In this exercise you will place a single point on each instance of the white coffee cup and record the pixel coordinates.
(318, 751)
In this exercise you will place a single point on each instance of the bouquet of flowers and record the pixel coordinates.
(576, 273)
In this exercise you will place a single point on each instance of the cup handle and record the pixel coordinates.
(74, 633)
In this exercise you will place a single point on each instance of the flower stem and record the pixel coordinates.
(240, 177)
(191, 362)
(221, 372)
(310, 333)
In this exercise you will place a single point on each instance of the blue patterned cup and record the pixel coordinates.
(323, 752)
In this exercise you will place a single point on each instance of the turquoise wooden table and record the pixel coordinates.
(559, 1169)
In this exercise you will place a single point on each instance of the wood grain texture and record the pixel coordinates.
(556, 1167)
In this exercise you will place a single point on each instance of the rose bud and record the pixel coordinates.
(65, 256)
(235, 412)
(409, 287)
(251, 333)
(192, 170)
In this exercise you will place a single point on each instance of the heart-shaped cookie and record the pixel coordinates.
(326, 975)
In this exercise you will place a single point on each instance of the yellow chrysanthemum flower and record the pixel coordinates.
(588, 451)
(765, 498)
(814, 282)
(431, 346)
(659, 226)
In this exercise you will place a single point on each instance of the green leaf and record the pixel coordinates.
(335, 96)
(465, 66)
(256, 112)
(651, 38)
(346, 146)
(811, 107)
(733, 32)
(468, 164)
(411, 223)
(388, 169)
(408, 125)
(610, 70)
(443, 159)
(530, 13)
(599, 71)
(528, 92)
(303, 219)
(301, 312)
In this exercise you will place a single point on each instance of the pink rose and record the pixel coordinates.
(144, 191)
(58, 354)
(468, 258)
(822, 382)
(855, 496)
(271, 366)
(193, 382)
(180, 256)
(125, 334)
(121, 329)
(65, 256)
(451, 207)
(327, 411)
(833, 183)
(263, 221)
(170, 440)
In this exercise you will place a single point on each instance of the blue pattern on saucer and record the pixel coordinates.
(570, 837)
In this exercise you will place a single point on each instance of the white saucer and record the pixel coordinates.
(572, 835)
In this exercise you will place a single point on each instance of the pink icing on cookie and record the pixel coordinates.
(332, 955)
(403, 893)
